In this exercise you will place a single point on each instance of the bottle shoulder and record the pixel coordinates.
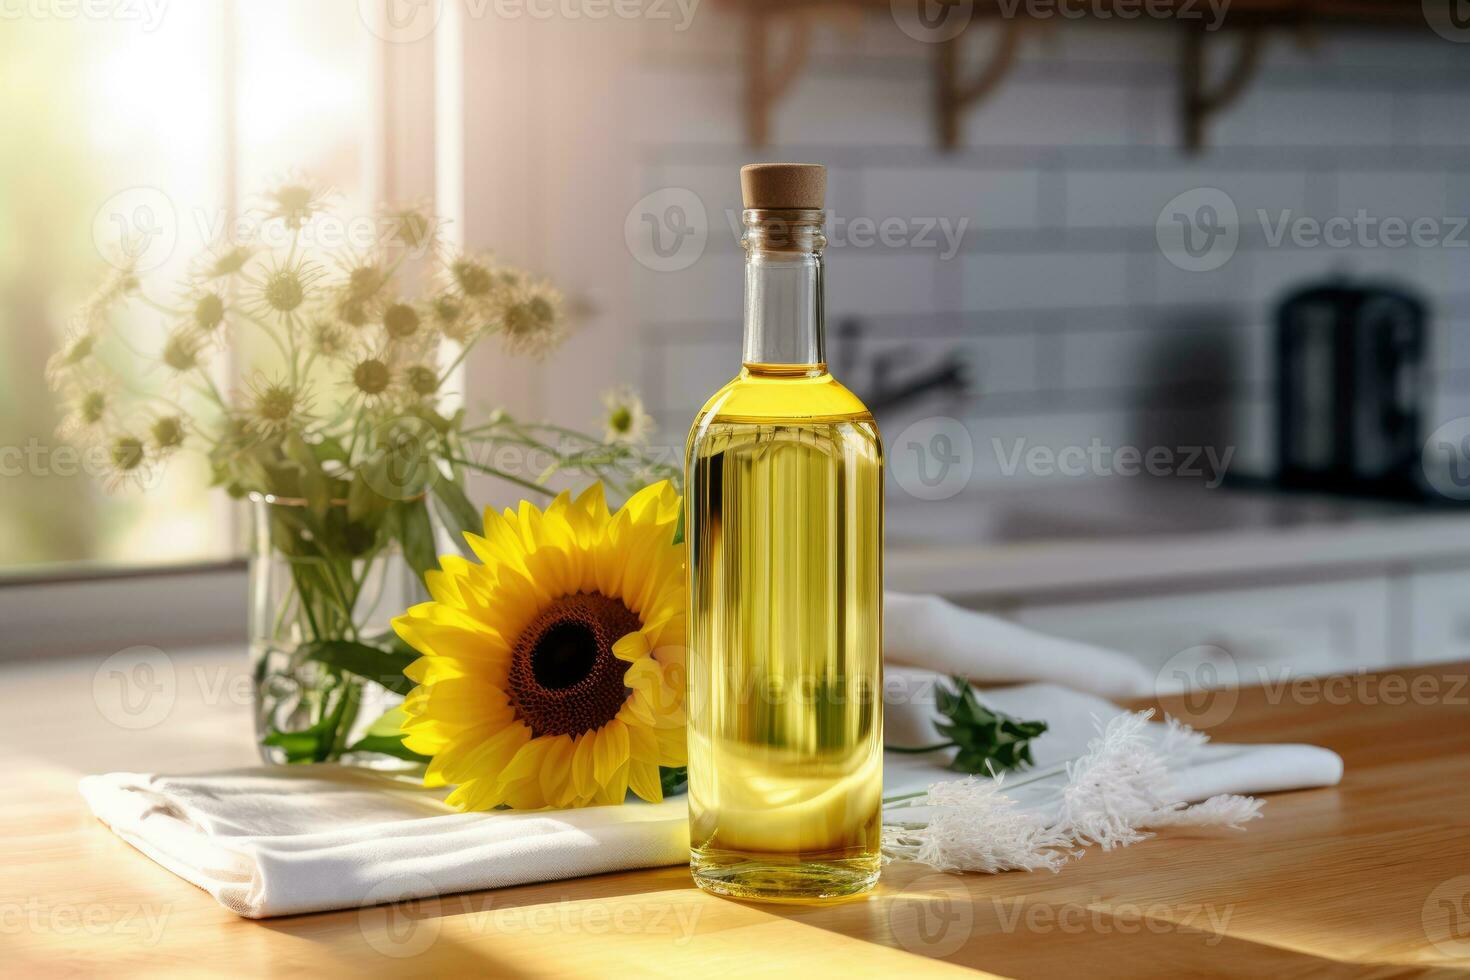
(753, 397)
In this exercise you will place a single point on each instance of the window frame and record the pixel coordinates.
(75, 609)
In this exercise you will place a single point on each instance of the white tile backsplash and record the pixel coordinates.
(1134, 199)
(1075, 324)
(1443, 117)
(1045, 280)
(1050, 114)
(1326, 115)
(985, 199)
(1382, 194)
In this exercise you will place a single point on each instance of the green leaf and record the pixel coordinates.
(302, 746)
(315, 486)
(330, 447)
(389, 722)
(416, 535)
(381, 666)
(387, 745)
(987, 740)
(314, 743)
(673, 779)
(385, 737)
(363, 502)
(455, 509)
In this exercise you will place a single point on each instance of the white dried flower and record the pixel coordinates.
(624, 418)
(1113, 792)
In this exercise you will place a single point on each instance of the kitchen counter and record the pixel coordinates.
(1372, 876)
(1131, 534)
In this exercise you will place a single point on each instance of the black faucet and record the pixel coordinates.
(882, 393)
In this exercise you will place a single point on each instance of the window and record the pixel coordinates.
(158, 122)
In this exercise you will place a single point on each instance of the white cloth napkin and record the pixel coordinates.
(1073, 718)
(927, 631)
(279, 841)
(282, 840)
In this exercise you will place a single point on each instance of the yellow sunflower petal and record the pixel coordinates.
(614, 789)
(632, 648)
(584, 779)
(610, 751)
(672, 746)
(555, 772)
(643, 780)
(636, 714)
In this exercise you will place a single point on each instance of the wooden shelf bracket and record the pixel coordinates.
(953, 95)
(1197, 105)
(765, 83)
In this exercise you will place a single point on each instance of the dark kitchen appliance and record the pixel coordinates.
(1351, 388)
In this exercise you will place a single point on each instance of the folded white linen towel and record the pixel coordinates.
(278, 841)
(282, 840)
(929, 632)
(1073, 719)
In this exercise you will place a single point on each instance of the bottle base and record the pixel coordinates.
(770, 878)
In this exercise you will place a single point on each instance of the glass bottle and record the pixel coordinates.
(784, 492)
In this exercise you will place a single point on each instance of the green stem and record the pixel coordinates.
(269, 332)
(458, 359)
(1034, 776)
(492, 471)
(147, 301)
(212, 391)
(919, 749)
(351, 703)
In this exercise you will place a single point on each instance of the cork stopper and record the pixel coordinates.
(776, 186)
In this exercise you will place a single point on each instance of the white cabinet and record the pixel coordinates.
(1239, 636)
(1440, 601)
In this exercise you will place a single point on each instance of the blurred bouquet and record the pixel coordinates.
(342, 429)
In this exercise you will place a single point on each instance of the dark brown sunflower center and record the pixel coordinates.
(564, 679)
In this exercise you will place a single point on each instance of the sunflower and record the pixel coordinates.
(552, 675)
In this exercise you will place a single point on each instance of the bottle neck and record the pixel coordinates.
(783, 292)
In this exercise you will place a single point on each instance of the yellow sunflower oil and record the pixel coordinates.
(784, 530)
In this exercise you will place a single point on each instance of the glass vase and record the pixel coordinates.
(327, 667)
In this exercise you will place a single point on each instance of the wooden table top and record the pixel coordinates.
(1369, 878)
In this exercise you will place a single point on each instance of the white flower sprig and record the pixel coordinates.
(1113, 793)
